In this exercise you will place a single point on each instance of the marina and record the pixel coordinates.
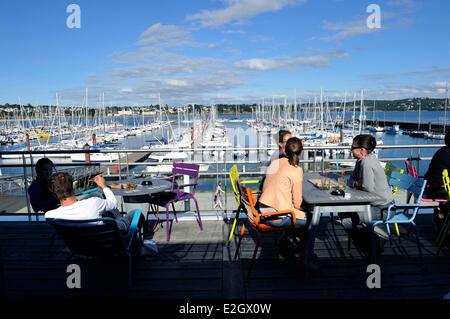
(224, 158)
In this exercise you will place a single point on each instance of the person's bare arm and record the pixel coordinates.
(297, 189)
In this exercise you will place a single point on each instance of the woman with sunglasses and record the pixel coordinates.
(368, 176)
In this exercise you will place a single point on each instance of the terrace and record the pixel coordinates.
(198, 264)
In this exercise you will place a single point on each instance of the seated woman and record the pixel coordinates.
(282, 188)
(41, 198)
(368, 176)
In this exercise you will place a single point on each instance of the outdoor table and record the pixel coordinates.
(158, 185)
(318, 202)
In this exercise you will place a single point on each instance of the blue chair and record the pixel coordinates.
(84, 194)
(99, 237)
(404, 213)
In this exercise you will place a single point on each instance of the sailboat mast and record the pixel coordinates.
(445, 109)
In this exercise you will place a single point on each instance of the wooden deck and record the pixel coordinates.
(196, 265)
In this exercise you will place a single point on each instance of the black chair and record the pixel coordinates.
(98, 237)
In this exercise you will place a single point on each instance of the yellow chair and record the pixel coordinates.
(446, 226)
(234, 177)
(388, 169)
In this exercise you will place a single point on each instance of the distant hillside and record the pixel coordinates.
(427, 104)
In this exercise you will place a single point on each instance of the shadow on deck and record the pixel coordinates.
(196, 265)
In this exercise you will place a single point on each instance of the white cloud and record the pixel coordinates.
(176, 83)
(233, 32)
(126, 90)
(262, 38)
(259, 64)
(238, 11)
(440, 85)
(165, 36)
(402, 3)
(347, 30)
(286, 62)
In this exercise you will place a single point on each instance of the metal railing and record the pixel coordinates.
(122, 167)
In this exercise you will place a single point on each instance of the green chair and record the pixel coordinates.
(446, 226)
(234, 177)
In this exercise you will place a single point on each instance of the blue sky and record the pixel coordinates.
(221, 51)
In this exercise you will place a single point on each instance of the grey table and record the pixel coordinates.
(149, 247)
(158, 185)
(319, 201)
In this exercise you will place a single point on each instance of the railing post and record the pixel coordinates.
(120, 169)
(128, 165)
(25, 184)
(305, 160)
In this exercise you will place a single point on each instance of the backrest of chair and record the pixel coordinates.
(446, 182)
(96, 237)
(246, 198)
(388, 169)
(191, 170)
(413, 185)
(234, 176)
(411, 169)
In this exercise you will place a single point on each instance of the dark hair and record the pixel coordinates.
(44, 167)
(366, 141)
(62, 185)
(294, 148)
(447, 139)
(282, 134)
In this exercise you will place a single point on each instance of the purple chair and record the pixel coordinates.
(176, 194)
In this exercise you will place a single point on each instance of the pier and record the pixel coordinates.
(409, 126)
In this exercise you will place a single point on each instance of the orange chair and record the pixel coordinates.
(254, 221)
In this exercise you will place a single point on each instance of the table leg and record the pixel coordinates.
(312, 235)
(371, 234)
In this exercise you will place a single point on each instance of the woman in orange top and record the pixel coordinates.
(282, 188)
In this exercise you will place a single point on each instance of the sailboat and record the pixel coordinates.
(436, 136)
(418, 132)
(375, 128)
(393, 130)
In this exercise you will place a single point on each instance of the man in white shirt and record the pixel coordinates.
(91, 208)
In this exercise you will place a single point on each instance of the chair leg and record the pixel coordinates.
(241, 235)
(397, 230)
(258, 242)
(168, 228)
(156, 212)
(233, 227)
(199, 219)
(332, 222)
(174, 213)
(418, 243)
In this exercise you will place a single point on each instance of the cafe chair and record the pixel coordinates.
(234, 176)
(177, 194)
(255, 222)
(404, 213)
(412, 171)
(446, 226)
(99, 237)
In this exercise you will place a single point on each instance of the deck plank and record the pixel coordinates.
(196, 265)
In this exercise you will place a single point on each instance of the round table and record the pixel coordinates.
(158, 185)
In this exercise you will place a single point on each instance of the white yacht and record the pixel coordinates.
(165, 162)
